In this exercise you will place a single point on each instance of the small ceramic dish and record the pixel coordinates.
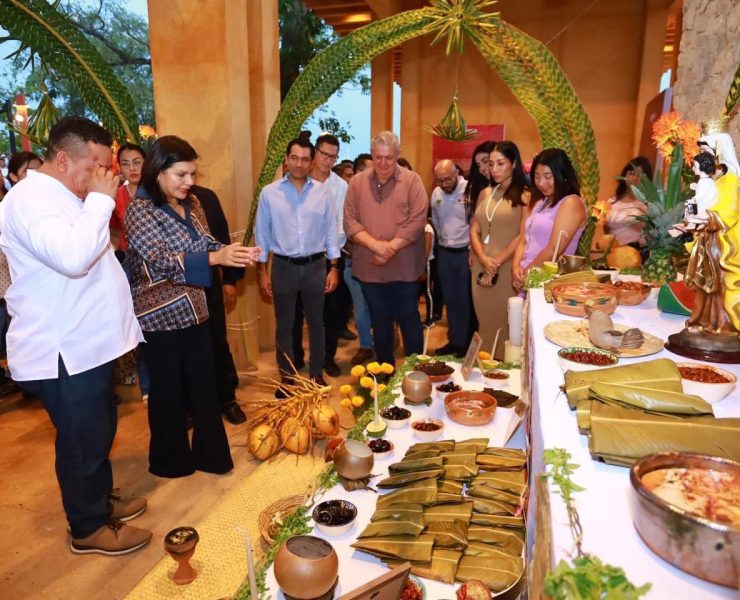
(334, 517)
(395, 416)
(589, 359)
(496, 378)
(632, 293)
(377, 447)
(427, 430)
(711, 392)
(415, 589)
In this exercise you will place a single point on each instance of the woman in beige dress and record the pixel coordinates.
(494, 234)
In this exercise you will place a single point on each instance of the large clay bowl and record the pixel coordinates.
(353, 460)
(306, 567)
(470, 407)
(416, 386)
(690, 542)
(572, 299)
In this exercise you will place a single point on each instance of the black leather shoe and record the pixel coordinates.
(346, 334)
(362, 356)
(234, 414)
(299, 364)
(332, 369)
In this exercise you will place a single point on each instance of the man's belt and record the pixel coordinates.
(455, 250)
(300, 260)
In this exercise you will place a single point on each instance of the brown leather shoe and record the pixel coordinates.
(361, 356)
(112, 539)
(125, 509)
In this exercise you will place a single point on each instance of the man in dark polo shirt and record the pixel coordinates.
(385, 212)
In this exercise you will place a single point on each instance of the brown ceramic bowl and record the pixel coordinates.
(416, 386)
(469, 407)
(572, 298)
(306, 567)
(690, 542)
(632, 293)
(353, 460)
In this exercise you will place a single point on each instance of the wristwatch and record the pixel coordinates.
(334, 264)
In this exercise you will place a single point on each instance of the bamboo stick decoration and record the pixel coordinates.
(495, 343)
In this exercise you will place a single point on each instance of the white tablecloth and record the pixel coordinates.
(604, 506)
(357, 568)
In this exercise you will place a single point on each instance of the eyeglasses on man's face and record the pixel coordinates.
(326, 155)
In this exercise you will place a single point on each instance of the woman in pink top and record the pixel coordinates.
(555, 210)
(623, 208)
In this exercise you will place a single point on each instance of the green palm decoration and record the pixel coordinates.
(65, 50)
(526, 66)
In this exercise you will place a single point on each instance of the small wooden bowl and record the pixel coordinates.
(572, 298)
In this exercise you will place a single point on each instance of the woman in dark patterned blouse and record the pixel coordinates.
(171, 252)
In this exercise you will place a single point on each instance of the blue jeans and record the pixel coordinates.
(362, 312)
(391, 302)
(454, 275)
(82, 408)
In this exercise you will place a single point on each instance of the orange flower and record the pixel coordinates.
(670, 129)
(147, 131)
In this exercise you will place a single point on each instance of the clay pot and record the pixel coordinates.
(306, 567)
(470, 407)
(416, 386)
(353, 460)
(180, 543)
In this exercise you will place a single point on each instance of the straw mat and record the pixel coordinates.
(220, 558)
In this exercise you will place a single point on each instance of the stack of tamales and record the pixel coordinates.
(455, 513)
(631, 411)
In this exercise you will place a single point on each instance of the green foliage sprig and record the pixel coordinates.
(587, 578)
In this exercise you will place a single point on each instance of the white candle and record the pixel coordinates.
(253, 593)
(516, 306)
(375, 393)
(512, 353)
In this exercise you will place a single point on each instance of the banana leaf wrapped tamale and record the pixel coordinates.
(494, 507)
(485, 491)
(661, 374)
(448, 534)
(412, 524)
(510, 481)
(487, 550)
(507, 539)
(421, 464)
(421, 454)
(441, 445)
(473, 445)
(397, 512)
(402, 479)
(460, 472)
(650, 399)
(495, 520)
(449, 491)
(449, 512)
(622, 435)
(403, 547)
(442, 567)
(498, 574)
(501, 458)
(419, 492)
(459, 457)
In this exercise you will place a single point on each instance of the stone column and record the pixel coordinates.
(381, 93)
(215, 67)
(708, 58)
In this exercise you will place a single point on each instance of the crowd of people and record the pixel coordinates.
(140, 263)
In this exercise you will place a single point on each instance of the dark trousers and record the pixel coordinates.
(438, 301)
(388, 303)
(454, 275)
(83, 410)
(227, 379)
(289, 280)
(180, 366)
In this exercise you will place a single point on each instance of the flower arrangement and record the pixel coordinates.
(671, 129)
(359, 398)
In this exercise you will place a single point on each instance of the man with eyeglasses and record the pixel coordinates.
(450, 221)
(297, 224)
(384, 214)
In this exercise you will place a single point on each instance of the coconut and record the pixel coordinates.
(326, 419)
(263, 442)
(295, 435)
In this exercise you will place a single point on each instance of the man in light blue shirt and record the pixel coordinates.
(453, 233)
(297, 224)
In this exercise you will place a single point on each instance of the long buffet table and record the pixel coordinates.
(604, 506)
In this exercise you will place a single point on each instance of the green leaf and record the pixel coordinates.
(68, 53)
(673, 180)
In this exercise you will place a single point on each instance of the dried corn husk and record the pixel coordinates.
(448, 534)
(507, 539)
(442, 446)
(401, 479)
(449, 512)
(405, 547)
(412, 524)
(622, 435)
(442, 567)
(661, 374)
(498, 574)
(495, 520)
(419, 492)
(397, 512)
(421, 464)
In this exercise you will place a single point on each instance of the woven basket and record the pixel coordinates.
(285, 506)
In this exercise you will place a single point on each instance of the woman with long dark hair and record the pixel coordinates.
(478, 177)
(170, 256)
(557, 214)
(622, 209)
(494, 234)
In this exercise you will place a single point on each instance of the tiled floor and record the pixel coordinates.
(36, 561)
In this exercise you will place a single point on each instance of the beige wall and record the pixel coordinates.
(601, 53)
(216, 83)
